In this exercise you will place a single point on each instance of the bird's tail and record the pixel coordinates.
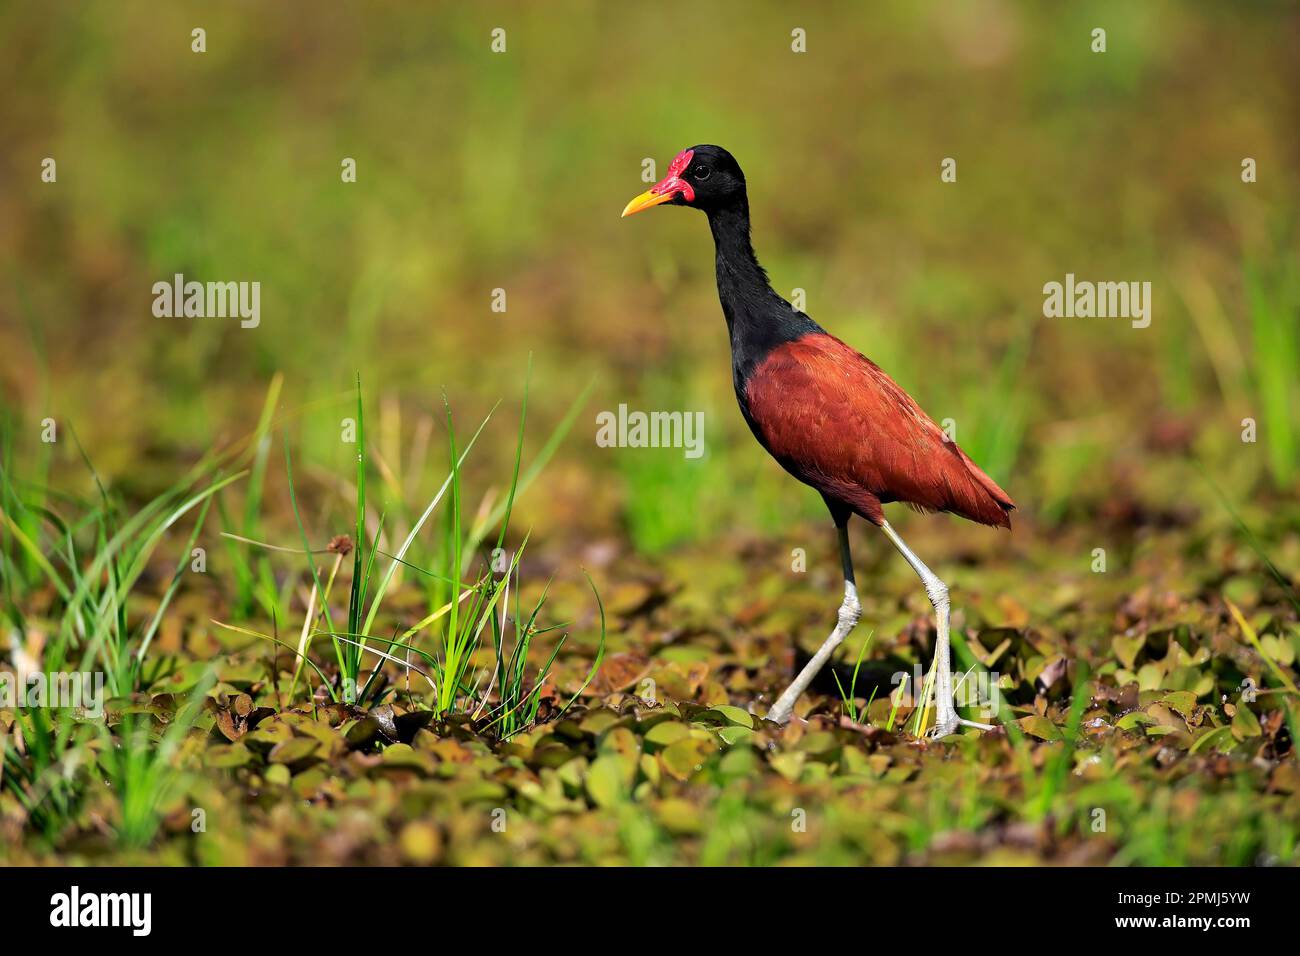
(986, 503)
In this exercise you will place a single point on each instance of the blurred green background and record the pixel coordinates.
(479, 171)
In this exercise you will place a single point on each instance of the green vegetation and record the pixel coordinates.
(350, 626)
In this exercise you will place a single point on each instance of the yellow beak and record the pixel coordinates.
(646, 200)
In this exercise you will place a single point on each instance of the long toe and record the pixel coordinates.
(944, 727)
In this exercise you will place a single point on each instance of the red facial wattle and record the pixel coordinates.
(673, 182)
(668, 188)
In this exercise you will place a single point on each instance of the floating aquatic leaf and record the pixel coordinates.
(1039, 727)
(1182, 701)
(684, 758)
(1245, 724)
(608, 780)
(735, 715)
(293, 751)
(667, 732)
(227, 756)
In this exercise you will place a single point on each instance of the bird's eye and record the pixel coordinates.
(702, 173)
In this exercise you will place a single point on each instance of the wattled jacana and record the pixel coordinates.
(828, 414)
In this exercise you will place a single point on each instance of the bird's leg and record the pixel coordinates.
(946, 719)
(847, 619)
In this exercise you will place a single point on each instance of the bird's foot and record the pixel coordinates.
(944, 726)
(781, 712)
(947, 724)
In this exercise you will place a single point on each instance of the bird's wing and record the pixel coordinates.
(835, 419)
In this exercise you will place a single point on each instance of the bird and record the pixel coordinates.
(830, 417)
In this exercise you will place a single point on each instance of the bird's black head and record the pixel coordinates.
(705, 177)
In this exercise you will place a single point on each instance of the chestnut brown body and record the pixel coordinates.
(837, 422)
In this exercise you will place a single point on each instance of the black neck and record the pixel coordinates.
(740, 276)
(758, 319)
